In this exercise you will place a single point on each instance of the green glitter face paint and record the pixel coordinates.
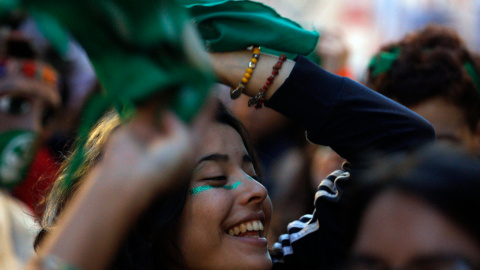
(197, 190)
(249, 177)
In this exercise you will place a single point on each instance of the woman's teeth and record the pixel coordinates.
(250, 226)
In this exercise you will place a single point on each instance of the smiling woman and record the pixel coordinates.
(224, 235)
(220, 173)
(136, 191)
(197, 190)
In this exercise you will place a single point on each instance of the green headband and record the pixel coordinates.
(473, 75)
(384, 61)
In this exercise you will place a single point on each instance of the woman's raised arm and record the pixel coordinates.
(142, 160)
(336, 111)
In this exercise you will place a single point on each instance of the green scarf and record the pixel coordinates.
(139, 48)
(234, 25)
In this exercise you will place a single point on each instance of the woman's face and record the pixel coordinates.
(26, 107)
(227, 212)
(450, 123)
(399, 230)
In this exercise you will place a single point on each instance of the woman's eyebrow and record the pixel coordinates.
(214, 157)
(448, 137)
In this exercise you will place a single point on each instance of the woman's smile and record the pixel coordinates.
(227, 214)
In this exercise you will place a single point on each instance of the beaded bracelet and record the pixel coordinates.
(259, 99)
(235, 93)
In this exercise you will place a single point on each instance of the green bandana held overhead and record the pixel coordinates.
(140, 48)
(234, 25)
(137, 49)
(16, 154)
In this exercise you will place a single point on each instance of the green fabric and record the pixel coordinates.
(137, 49)
(235, 25)
(473, 74)
(54, 32)
(16, 155)
(7, 6)
(384, 61)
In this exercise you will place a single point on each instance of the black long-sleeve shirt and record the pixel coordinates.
(356, 122)
(347, 116)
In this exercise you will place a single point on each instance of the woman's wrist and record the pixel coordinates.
(230, 69)
(108, 185)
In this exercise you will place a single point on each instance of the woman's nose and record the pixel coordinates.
(252, 191)
(32, 121)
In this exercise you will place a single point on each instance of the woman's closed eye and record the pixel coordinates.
(215, 180)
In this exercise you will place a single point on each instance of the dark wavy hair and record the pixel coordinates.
(151, 244)
(446, 178)
(431, 64)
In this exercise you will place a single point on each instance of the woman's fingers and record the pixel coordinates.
(156, 148)
(204, 117)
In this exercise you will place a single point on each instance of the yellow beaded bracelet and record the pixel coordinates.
(235, 93)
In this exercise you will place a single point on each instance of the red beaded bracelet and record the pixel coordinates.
(259, 99)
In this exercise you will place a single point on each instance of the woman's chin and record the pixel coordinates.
(256, 263)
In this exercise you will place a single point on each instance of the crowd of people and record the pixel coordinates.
(289, 164)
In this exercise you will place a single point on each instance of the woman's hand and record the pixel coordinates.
(154, 152)
(147, 157)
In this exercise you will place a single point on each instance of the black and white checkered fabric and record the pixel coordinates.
(329, 191)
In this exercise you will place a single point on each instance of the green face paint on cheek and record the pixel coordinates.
(197, 190)
(234, 186)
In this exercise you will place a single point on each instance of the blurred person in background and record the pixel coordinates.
(324, 162)
(77, 80)
(432, 72)
(418, 212)
(28, 99)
